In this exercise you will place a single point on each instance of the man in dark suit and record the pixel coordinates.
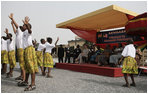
(67, 50)
(60, 54)
(77, 51)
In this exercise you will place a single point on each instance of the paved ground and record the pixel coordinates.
(65, 81)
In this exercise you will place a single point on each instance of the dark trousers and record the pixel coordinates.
(60, 59)
(74, 57)
(85, 60)
(67, 57)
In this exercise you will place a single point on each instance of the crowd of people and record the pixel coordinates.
(94, 55)
(29, 59)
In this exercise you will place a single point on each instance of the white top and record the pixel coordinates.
(129, 50)
(10, 45)
(27, 39)
(19, 38)
(49, 47)
(3, 44)
(85, 52)
(41, 47)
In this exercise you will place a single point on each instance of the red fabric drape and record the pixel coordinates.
(137, 25)
(129, 16)
(89, 35)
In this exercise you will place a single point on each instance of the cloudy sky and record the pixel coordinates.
(46, 14)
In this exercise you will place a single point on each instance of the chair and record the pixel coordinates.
(142, 68)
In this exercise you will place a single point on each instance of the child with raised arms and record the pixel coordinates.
(48, 61)
(18, 30)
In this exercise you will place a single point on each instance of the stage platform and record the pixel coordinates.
(92, 68)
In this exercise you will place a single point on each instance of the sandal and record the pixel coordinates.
(19, 78)
(22, 83)
(126, 85)
(49, 76)
(134, 85)
(9, 75)
(30, 88)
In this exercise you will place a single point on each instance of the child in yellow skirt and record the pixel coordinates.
(19, 44)
(48, 61)
(129, 66)
(29, 55)
(39, 54)
(4, 54)
(11, 53)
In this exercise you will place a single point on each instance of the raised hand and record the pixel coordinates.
(56, 41)
(11, 16)
(24, 22)
(35, 41)
(57, 38)
(27, 19)
(6, 31)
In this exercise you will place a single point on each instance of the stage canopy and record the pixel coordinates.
(87, 25)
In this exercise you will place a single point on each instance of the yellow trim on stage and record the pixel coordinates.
(138, 19)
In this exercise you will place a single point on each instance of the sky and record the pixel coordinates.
(44, 15)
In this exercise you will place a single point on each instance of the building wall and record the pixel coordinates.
(75, 43)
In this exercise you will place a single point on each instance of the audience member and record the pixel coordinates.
(84, 55)
(104, 57)
(113, 59)
(60, 54)
(67, 50)
(77, 51)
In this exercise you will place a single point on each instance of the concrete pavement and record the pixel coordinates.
(65, 81)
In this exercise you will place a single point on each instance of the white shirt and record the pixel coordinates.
(3, 44)
(85, 52)
(41, 47)
(49, 47)
(19, 38)
(129, 50)
(27, 39)
(10, 45)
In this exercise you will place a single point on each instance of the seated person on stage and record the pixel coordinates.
(104, 57)
(138, 55)
(93, 57)
(84, 55)
(91, 52)
(113, 60)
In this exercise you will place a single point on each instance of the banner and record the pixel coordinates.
(115, 36)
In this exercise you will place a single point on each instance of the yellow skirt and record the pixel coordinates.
(4, 57)
(48, 61)
(35, 59)
(129, 66)
(12, 60)
(20, 55)
(39, 55)
(30, 60)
